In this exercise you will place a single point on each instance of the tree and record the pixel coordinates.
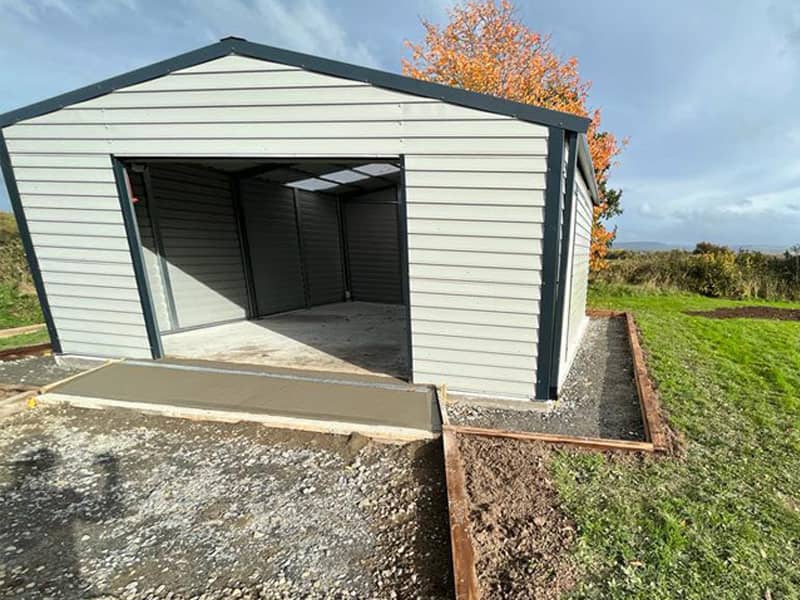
(485, 48)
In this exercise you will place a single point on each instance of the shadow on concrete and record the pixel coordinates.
(39, 556)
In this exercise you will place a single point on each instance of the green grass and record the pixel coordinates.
(26, 339)
(17, 309)
(722, 520)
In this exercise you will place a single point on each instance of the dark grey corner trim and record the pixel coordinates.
(137, 258)
(232, 45)
(545, 390)
(587, 168)
(564, 263)
(27, 243)
(402, 226)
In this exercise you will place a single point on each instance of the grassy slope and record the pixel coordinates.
(724, 520)
(18, 303)
(18, 309)
(25, 339)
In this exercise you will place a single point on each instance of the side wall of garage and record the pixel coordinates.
(575, 319)
(474, 191)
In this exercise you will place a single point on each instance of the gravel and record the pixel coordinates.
(599, 397)
(34, 371)
(115, 504)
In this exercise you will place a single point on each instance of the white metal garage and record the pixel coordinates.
(240, 181)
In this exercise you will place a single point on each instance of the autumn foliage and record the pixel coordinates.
(485, 48)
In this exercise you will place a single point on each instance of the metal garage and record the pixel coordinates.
(245, 203)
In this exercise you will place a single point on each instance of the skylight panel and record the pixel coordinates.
(312, 184)
(345, 176)
(375, 169)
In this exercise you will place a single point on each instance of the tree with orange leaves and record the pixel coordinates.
(485, 48)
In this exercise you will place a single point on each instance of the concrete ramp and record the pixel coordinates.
(319, 401)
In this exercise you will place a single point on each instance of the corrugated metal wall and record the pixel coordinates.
(269, 214)
(201, 244)
(321, 247)
(373, 247)
(475, 195)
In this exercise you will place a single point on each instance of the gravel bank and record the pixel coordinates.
(114, 503)
(33, 371)
(599, 397)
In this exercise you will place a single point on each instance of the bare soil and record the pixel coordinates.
(749, 312)
(522, 539)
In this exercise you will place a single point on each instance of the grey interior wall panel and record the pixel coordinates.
(373, 248)
(201, 244)
(321, 247)
(269, 214)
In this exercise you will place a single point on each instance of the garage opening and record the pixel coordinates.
(284, 263)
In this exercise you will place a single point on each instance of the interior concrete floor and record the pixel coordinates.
(347, 337)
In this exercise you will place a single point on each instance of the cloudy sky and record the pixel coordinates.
(706, 91)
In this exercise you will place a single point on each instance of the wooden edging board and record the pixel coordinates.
(567, 440)
(25, 351)
(463, 553)
(648, 402)
(4, 333)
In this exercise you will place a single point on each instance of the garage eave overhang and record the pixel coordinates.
(587, 168)
(383, 79)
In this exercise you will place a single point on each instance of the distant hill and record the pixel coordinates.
(647, 246)
(766, 249)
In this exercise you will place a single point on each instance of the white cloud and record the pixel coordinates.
(309, 26)
(83, 13)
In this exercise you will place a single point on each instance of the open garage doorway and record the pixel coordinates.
(290, 263)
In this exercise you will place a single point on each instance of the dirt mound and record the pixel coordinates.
(521, 537)
(749, 312)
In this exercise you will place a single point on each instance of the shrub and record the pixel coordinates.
(709, 269)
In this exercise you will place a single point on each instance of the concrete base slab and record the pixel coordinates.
(347, 337)
(385, 409)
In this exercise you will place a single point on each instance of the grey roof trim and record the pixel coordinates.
(587, 168)
(233, 45)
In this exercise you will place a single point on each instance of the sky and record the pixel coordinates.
(706, 91)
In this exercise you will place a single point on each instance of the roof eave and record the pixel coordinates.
(587, 168)
(233, 45)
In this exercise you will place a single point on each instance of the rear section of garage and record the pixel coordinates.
(226, 240)
(247, 203)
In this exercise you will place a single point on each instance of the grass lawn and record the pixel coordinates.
(18, 309)
(26, 339)
(722, 521)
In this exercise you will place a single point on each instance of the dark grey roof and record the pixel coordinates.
(233, 45)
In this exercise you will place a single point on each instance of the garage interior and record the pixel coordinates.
(291, 263)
